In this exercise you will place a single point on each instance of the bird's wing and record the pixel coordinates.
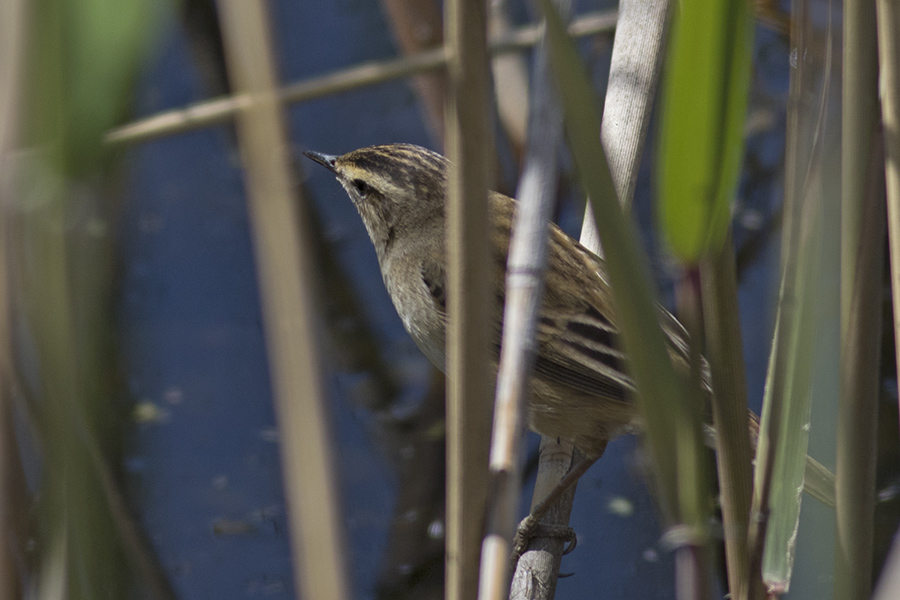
(581, 352)
(435, 281)
(578, 345)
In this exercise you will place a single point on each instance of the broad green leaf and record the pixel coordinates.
(84, 61)
(805, 360)
(704, 106)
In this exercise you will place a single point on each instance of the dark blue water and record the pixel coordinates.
(204, 472)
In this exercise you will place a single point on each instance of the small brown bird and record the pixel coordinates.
(579, 389)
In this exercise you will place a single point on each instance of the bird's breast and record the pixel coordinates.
(422, 318)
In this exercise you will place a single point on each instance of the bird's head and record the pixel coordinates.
(397, 188)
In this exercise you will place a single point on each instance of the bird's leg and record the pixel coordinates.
(529, 524)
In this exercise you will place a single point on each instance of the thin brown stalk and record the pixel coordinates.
(286, 283)
(633, 77)
(888, 13)
(859, 115)
(861, 226)
(691, 576)
(13, 492)
(858, 407)
(542, 560)
(14, 501)
(526, 265)
(470, 383)
(221, 110)
(729, 408)
(689, 543)
(13, 27)
(14, 504)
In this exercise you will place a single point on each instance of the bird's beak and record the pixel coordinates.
(326, 160)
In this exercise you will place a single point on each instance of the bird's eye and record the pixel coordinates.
(362, 187)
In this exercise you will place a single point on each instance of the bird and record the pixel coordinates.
(580, 389)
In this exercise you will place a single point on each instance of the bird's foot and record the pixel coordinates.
(530, 528)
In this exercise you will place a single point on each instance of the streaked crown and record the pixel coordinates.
(396, 188)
